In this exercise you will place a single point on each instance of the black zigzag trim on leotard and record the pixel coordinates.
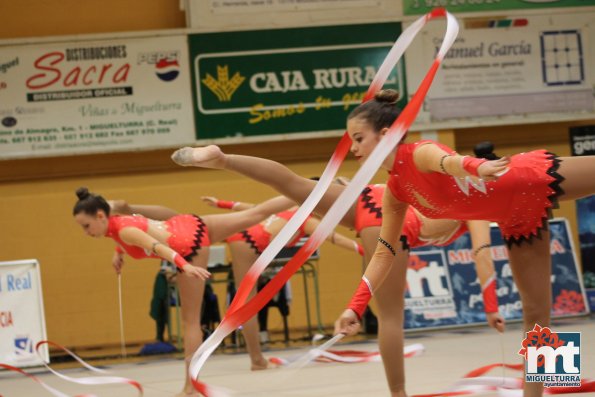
(404, 243)
(558, 191)
(369, 204)
(199, 234)
(248, 238)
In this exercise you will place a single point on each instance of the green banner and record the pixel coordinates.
(286, 80)
(418, 7)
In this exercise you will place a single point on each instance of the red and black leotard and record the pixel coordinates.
(259, 238)
(368, 213)
(520, 200)
(368, 208)
(188, 234)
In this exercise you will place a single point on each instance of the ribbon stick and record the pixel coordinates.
(122, 340)
(240, 310)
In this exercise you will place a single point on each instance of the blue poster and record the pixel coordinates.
(582, 143)
(443, 289)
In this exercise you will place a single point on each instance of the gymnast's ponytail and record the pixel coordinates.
(89, 203)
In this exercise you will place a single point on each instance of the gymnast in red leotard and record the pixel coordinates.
(390, 298)
(245, 246)
(259, 236)
(516, 192)
(368, 214)
(187, 234)
(181, 239)
(438, 182)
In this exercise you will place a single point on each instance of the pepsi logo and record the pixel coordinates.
(167, 70)
(9, 121)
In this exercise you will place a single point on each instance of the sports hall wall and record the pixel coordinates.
(79, 285)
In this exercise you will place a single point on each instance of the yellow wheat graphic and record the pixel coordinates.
(223, 87)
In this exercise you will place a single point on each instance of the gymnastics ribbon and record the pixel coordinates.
(55, 392)
(474, 383)
(240, 311)
(95, 380)
(347, 356)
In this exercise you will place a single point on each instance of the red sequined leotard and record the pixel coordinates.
(368, 208)
(368, 213)
(520, 200)
(259, 238)
(188, 234)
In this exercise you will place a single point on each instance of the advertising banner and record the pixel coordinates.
(418, 7)
(94, 96)
(582, 143)
(22, 321)
(233, 6)
(443, 289)
(285, 81)
(532, 65)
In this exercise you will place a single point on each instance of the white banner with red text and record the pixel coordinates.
(22, 320)
(95, 96)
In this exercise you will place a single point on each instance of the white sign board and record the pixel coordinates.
(234, 15)
(222, 6)
(535, 65)
(22, 321)
(94, 96)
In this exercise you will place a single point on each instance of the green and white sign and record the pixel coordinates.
(418, 7)
(288, 80)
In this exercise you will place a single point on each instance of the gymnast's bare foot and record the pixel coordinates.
(263, 364)
(206, 157)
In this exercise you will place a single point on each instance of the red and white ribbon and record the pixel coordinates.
(240, 309)
(347, 356)
(474, 383)
(91, 380)
(94, 380)
(54, 392)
